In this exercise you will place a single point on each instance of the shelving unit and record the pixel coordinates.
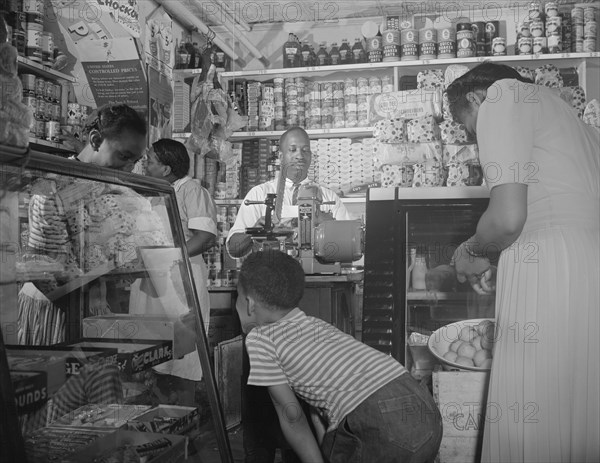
(55, 147)
(25, 64)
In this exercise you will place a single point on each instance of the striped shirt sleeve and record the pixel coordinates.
(265, 367)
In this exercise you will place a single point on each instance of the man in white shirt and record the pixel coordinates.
(294, 149)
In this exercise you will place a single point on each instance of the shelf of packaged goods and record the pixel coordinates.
(316, 70)
(44, 144)
(222, 289)
(312, 133)
(435, 296)
(180, 135)
(237, 202)
(36, 68)
(186, 72)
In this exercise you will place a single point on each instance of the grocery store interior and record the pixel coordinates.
(121, 339)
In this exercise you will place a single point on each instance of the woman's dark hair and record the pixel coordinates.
(112, 120)
(274, 278)
(173, 154)
(479, 78)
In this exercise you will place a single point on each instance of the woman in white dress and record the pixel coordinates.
(541, 163)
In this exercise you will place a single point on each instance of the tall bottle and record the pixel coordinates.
(313, 56)
(418, 273)
(345, 53)
(290, 52)
(306, 56)
(358, 52)
(334, 54)
(183, 55)
(322, 55)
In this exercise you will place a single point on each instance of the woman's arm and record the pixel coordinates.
(199, 242)
(294, 424)
(502, 222)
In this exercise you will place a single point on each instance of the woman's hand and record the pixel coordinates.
(478, 271)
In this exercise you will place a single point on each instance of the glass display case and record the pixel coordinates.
(99, 312)
(410, 288)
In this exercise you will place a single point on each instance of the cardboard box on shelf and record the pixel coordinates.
(49, 363)
(167, 419)
(30, 389)
(180, 331)
(113, 416)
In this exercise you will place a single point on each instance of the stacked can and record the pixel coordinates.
(223, 224)
(374, 49)
(291, 102)
(278, 101)
(47, 48)
(339, 119)
(566, 31)
(524, 44)
(362, 101)
(391, 45)
(266, 109)
(327, 105)
(590, 30)
(478, 29)
(312, 105)
(465, 40)
(553, 28)
(447, 43)
(350, 102)
(34, 13)
(252, 111)
(492, 31)
(577, 26)
(409, 45)
(537, 29)
(17, 22)
(427, 43)
(301, 92)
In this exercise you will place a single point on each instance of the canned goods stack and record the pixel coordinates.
(211, 167)
(391, 45)
(362, 101)
(43, 97)
(585, 28)
(524, 43)
(350, 102)
(301, 94)
(339, 115)
(254, 95)
(553, 28)
(374, 49)
(312, 105)
(492, 32)
(214, 264)
(266, 109)
(279, 104)
(291, 102)
(478, 29)
(327, 105)
(567, 30)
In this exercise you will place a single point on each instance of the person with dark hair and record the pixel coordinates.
(115, 137)
(169, 160)
(296, 156)
(373, 410)
(541, 164)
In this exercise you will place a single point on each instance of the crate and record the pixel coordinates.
(461, 397)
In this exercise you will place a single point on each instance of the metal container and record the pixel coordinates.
(28, 81)
(499, 46)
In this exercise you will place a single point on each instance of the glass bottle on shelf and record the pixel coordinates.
(345, 52)
(334, 54)
(306, 55)
(358, 51)
(313, 56)
(191, 51)
(290, 52)
(322, 55)
(418, 273)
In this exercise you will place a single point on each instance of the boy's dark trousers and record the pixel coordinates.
(260, 423)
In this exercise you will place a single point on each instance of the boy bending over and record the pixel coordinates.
(373, 410)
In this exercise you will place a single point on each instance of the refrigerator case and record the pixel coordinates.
(408, 229)
(82, 242)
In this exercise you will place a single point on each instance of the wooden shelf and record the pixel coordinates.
(45, 71)
(50, 144)
(435, 296)
(407, 64)
(186, 72)
(312, 133)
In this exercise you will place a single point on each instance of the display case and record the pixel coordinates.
(96, 290)
(410, 289)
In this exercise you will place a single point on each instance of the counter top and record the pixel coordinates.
(311, 279)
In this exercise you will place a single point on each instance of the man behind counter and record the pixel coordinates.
(262, 434)
(294, 149)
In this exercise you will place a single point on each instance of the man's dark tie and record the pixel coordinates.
(295, 194)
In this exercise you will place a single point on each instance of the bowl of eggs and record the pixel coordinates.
(465, 345)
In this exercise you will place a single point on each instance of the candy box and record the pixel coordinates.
(113, 416)
(168, 419)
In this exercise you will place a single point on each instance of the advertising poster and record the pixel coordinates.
(114, 73)
(158, 44)
(73, 22)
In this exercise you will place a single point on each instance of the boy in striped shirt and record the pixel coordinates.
(373, 410)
